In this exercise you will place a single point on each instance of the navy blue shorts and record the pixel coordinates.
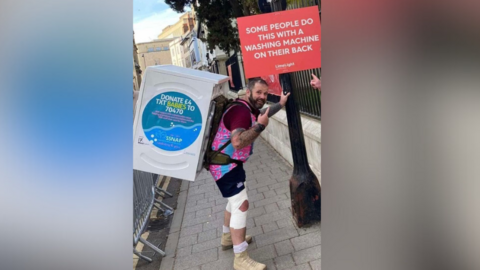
(232, 182)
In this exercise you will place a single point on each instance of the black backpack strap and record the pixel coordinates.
(238, 162)
(223, 146)
(220, 149)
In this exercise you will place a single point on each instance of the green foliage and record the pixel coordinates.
(179, 5)
(217, 16)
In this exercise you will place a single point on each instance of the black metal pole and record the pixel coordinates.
(305, 191)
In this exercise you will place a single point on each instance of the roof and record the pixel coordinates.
(192, 73)
(157, 40)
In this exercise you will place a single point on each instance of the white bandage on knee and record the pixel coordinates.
(229, 207)
(239, 218)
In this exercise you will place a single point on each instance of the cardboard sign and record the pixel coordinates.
(280, 42)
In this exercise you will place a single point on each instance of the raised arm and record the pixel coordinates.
(277, 106)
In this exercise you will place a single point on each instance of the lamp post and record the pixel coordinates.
(305, 191)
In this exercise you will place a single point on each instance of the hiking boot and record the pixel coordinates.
(227, 242)
(243, 262)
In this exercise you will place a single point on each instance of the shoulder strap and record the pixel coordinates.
(238, 162)
(214, 153)
(237, 102)
(223, 146)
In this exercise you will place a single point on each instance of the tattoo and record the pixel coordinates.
(236, 131)
(246, 137)
(273, 109)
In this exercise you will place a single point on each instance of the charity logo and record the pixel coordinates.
(171, 121)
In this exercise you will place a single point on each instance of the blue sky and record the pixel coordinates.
(150, 17)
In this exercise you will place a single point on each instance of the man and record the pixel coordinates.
(241, 124)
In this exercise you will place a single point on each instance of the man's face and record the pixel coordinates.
(258, 95)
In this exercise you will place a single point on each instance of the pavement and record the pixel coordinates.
(196, 227)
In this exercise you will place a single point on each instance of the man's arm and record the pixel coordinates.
(277, 106)
(241, 137)
(273, 109)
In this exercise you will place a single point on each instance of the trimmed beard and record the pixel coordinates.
(254, 102)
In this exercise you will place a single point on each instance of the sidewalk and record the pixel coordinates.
(194, 237)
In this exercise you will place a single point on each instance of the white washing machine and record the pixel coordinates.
(172, 120)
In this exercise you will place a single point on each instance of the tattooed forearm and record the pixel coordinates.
(244, 138)
(273, 109)
(237, 131)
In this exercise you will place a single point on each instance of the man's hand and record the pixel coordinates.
(283, 99)
(316, 83)
(263, 118)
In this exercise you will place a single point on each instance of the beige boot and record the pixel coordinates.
(227, 242)
(244, 262)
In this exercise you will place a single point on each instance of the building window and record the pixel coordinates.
(165, 48)
(150, 49)
(159, 49)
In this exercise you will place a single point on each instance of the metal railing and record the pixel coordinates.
(293, 4)
(144, 190)
(307, 98)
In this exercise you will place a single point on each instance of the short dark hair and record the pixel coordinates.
(253, 81)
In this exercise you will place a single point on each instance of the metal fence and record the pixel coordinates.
(293, 4)
(307, 98)
(144, 190)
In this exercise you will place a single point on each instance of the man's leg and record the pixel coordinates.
(226, 219)
(238, 224)
(226, 240)
(238, 235)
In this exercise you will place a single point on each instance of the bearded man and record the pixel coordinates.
(240, 125)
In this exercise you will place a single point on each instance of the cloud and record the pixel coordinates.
(149, 28)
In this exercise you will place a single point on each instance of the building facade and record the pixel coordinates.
(187, 58)
(137, 79)
(154, 53)
(176, 51)
(185, 24)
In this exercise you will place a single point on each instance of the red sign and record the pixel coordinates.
(280, 42)
(274, 86)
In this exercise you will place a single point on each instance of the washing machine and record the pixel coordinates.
(172, 120)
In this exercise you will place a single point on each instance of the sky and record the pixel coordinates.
(150, 17)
